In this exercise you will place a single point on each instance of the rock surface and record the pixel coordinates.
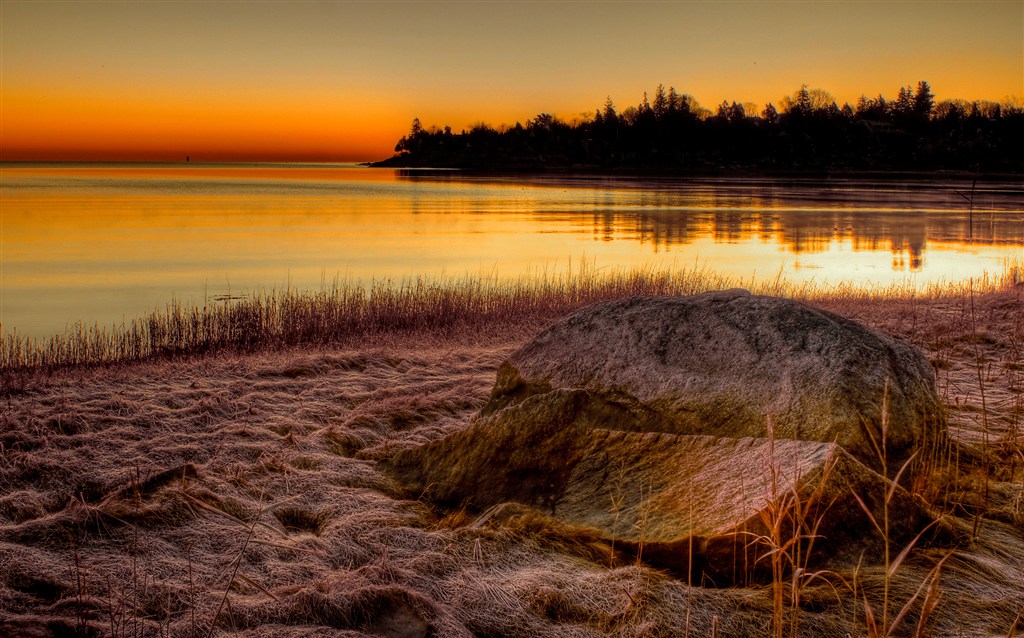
(663, 495)
(722, 363)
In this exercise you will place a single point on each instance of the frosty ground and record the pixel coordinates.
(238, 494)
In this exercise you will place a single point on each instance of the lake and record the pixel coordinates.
(106, 243)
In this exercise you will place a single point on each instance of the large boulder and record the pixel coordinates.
(683, 428)
(729, 363)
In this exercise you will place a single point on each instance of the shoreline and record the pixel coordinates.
(347, 313)
(723, 172)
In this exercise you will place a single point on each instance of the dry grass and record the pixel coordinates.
(345, 313)
(238, 494)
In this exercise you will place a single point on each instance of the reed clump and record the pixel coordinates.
(344, 312)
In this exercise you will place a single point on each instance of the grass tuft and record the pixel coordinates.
(344, 313)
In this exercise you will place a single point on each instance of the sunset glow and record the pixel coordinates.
(339, 81)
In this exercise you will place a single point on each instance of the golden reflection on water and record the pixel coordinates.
(106, 243)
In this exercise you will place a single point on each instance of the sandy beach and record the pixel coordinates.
(238, 494)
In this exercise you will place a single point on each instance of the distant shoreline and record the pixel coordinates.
(708, 172)
(725, 172)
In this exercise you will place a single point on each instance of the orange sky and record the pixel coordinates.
(341, 81)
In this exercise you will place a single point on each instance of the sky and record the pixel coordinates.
(342, 81)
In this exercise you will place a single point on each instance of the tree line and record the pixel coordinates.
(807, 130)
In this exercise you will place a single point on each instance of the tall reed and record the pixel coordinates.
(342, 311)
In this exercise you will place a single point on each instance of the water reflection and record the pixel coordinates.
(806, 232)
(105, 243)
(800, 216)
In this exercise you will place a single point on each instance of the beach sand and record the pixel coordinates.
(238, 494)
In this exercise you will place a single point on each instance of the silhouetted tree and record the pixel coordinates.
(645, 105)
(610, 116)
(675, 101)
(904, 104)
(411, 142)
(629, 115)
(660, 105)
(924, 100)
(731, 112)
(820, 99)
(873, 108)
(912, 132)
(801, 103)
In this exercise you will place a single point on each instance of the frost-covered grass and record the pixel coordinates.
(343, 313)
(239, 494)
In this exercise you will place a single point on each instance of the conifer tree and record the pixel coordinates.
(924, 100)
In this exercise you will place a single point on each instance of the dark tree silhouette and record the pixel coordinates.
(610, 116)
(924, 100)
(661, 104)
(808, 131)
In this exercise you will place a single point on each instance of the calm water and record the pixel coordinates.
(104, 243)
